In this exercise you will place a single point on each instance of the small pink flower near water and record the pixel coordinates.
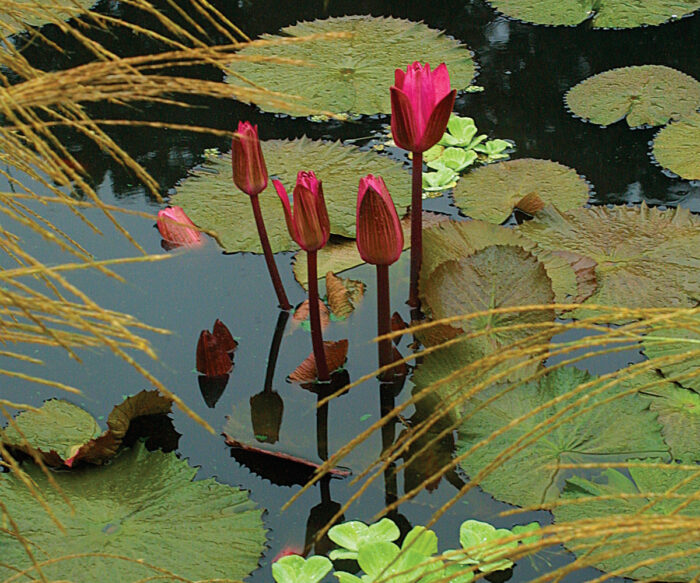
(176, 227)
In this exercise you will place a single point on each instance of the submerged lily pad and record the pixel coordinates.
(492, 192)
(677, 147)
(145, 506)
(349, 75)
(653, 549)
(603, 13)
(646, 257)
(592, 430)
(645, 95)
(680, 343)
(214, 203)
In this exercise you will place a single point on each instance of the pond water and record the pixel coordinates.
(524, 70)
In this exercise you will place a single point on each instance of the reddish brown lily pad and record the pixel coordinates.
(336, 353)
(343, 294)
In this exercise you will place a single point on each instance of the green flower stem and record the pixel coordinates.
(269, 259)
(416, 227)
(383, 316)
(315, 317)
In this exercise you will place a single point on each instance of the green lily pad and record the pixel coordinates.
(213, 202)
(647, 95)
(664, 342)
(349, 75)
(492, 192)
(603, 13)
(63, 433)
(592, 430)
(645, 257)
(677, 147)
(643, 497)
(145, 506)
(40, 12)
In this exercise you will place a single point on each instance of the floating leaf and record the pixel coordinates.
(39, 12)
(349, 75)
(646, 257)
(461, 133)
(591, 430)
(145, 506)
(677, 147)
(336, 353)
(603, 13)
(492, 192)
(480, 539)
(296, 569)
(642, 497)
(681, 341)
(343, 294)
(214, 203)
(353, 534)
(455, 159)
(441, 179)
(301, 314)
(645, 95)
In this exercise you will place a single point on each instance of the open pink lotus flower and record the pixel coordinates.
(379, 232)
(176, 227)
(249, 169)
(421, 103)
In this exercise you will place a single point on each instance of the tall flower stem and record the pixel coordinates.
(416, 227)
(315, 317)
(269, 259)
(383, 316)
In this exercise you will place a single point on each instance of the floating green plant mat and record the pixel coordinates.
(646, 257)
(63, 433)
(214, 203)
(677, 147)
(603, 13)
(492, 192)
(39, 12)
(144, 506)
(558, 431)
(350, 75)
(653, 499)
(648, 95)
(683, 343)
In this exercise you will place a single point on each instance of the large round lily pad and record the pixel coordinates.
(653, 548)
(680, 343)
(492, 192)
(350, 75)
(677, 147)
(646, 257)
(144, 506)
(604, 13)
(645, 95)
(589, 431)
(214, 203)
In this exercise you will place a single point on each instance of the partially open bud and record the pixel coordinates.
(379, 232)
(176, 227)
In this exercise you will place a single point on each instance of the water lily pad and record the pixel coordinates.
(682, 343)
(350, 75)
(63, 433)
(645, 95)
(641, 496)
(603, 13)
(213, 202)
(677, 147)
(646, 257)
(492, 192)
(588, 431)
(145, 506)
(40, 12)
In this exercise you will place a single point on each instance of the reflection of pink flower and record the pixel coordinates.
(421, 103)
(249, 170)
(212, 358)
(379, 232)
(177, 228)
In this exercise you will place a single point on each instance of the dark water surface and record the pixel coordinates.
(524, 69)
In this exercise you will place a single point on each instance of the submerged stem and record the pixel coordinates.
(416, 227)
(269, 259)
(315, 317)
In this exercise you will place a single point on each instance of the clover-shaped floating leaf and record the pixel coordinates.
(604, 13)
(677, 147)
(296, 569)
(555, 429)
(481, 540)
(461, 132)
(492, 192)
(40, 12)
(214, 203)
(645, 95)
(646, 257)
(442, 179)
(144, 506)
(354, 534)
(385, 561)
(63, 433)
(349, 75)
(643, 496)
(455, 159)
(493, 149)
(681, 343)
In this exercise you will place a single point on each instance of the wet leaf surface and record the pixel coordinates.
(677, 147)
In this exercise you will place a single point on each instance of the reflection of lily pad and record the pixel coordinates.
(63, 433)
(646, 257)
(213, 202)
(144, 506)
(350, 75)
(683, 343)
(40, 12)
(645, 95)
(604, 13)
(492, 192)
(589, 431)
(677, 147)
(643, 497)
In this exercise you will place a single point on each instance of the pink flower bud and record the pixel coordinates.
(379, 232)
(249, 170)
(176, 227)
